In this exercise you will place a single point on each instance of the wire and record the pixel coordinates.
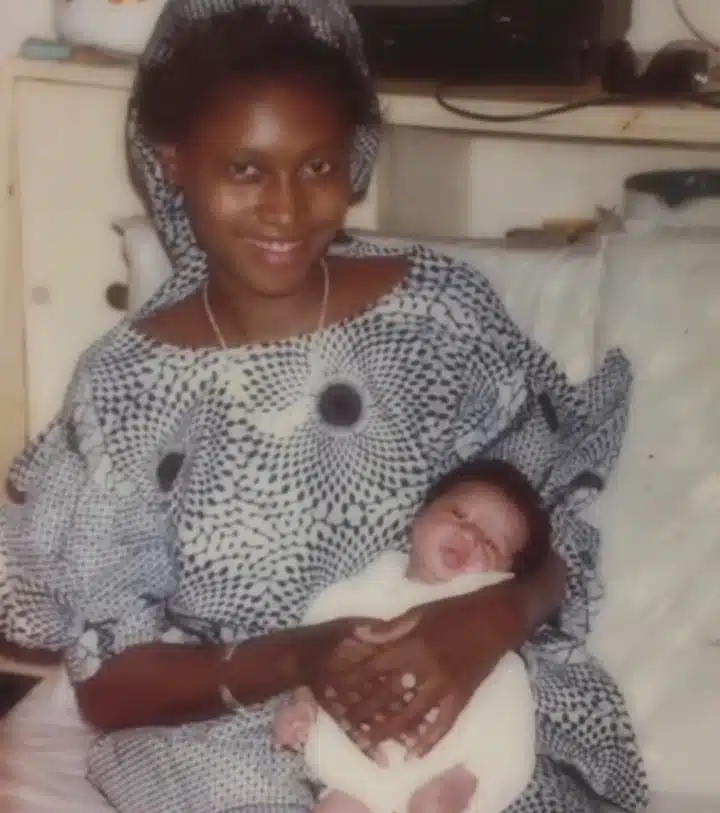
(699, 35)
(546, 112)
(708, 99)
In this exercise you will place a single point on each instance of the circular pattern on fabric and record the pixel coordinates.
(168, 470)
(340, 405)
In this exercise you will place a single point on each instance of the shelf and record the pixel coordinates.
(657, 123)
(413, 105)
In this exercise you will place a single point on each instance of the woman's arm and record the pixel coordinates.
(538, 594)
(171, 684)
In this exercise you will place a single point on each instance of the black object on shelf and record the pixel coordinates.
(491, 42)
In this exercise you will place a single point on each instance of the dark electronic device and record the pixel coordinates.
(674, 70)
(491, 42)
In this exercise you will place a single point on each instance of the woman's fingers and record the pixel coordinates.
(381, 664)
(385, 632)
(349, 653)
(383, 700)
(435, 726)
(406, 724)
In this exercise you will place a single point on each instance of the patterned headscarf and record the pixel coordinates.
(332, 22)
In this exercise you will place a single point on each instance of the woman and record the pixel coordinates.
(268, 424)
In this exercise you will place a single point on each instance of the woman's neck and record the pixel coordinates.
(245, 316)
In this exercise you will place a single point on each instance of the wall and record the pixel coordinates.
(655, 22)
(537, 180)
(20, 19)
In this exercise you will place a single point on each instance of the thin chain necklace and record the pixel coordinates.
(220, 338)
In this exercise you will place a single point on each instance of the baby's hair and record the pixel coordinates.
(513, 484)
(246, 45)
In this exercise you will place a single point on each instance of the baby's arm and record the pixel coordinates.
(294, 720)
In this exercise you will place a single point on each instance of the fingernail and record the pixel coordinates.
(432, 715)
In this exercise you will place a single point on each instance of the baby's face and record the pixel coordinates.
(473, 527)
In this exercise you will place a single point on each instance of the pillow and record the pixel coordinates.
(551, 292)
(659, 631)
(147, 261)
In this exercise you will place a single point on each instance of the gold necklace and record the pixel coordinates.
(220, 338)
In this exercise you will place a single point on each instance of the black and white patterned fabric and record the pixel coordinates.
(207, 496)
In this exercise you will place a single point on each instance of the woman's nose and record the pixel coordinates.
(278, 203)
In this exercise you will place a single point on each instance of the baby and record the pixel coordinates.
(480, 524)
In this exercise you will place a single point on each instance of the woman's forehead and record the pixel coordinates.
(264, 115)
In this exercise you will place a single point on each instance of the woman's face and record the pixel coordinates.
(266, 180)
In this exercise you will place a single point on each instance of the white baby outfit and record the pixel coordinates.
(494, 737)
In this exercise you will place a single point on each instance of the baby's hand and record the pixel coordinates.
(293, 723)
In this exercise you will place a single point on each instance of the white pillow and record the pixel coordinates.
(551, 293)
(660, 517)
(147, 261)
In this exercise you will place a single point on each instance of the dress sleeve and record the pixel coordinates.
(88, 561)
(521, 407)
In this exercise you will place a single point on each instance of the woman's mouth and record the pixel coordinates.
(277, 252)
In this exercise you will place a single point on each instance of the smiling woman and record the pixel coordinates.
(255, 124)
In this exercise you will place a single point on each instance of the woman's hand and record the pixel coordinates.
(409, 679)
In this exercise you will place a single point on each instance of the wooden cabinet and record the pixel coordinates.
(70, 183)
(66, 182)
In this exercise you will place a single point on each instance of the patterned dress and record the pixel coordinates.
(208, 496)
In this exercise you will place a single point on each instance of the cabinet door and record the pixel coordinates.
(72, 183)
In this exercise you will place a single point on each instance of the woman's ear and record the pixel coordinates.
(170, 160)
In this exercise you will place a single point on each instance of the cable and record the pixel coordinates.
(699, 35)
(546, 112)
(710, 99)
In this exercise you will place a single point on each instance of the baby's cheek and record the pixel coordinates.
(503, 559)
(424, 539)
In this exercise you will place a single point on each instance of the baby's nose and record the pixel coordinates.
(471, 532)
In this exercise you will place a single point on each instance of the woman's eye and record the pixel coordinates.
(318, 169)
(242, 171)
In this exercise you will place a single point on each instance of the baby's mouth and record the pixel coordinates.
(454, 557)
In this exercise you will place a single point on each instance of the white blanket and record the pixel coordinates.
(494, 737)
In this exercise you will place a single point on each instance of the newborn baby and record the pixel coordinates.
(480, 524)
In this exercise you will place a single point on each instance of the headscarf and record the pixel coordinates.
(332, 22)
